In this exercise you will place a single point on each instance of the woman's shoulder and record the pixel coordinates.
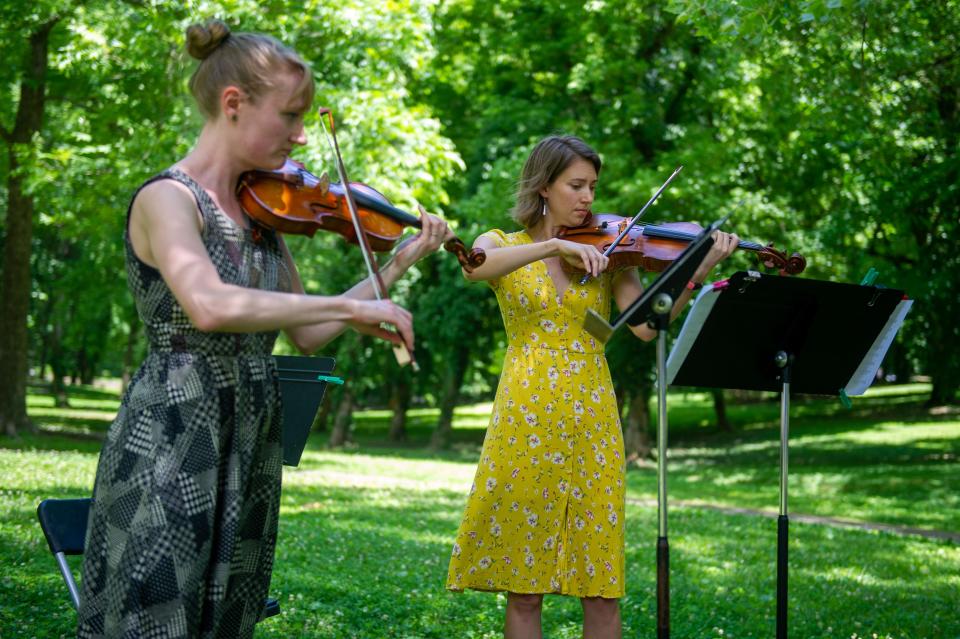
(164, 189)
(164, 198)
(501, 238)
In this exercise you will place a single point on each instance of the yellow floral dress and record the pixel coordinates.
(545, 512)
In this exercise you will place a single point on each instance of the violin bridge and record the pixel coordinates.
(324, 183)
(597, 326)
(402, 354)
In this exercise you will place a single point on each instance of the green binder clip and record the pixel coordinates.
(845, 399)
(332, 379)
(870, 277)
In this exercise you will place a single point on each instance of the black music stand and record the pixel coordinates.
(303, 380)
(653, 308)
(761, 332)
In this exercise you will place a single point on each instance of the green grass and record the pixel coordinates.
(365, 534)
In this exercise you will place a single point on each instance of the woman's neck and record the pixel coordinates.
(211, 165)
(543, 230)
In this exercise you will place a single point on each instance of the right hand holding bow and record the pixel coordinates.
(372, 317)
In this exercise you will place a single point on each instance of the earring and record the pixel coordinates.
(544, 208)
(233, 117)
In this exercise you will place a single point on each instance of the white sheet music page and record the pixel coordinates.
(867, 371)
(691, 328)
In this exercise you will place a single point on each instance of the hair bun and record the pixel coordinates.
(203, 39)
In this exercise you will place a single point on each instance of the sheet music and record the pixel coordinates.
(867, 371)
(691, 329)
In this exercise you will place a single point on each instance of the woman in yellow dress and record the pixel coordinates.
(545, 513)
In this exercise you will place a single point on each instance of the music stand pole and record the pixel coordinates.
(653, 307)
(783, 361)
(663, 546)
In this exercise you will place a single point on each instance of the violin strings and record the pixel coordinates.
(669, 234)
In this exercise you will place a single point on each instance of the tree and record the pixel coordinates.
(851, 121)
(643, 94)
(19, 140)
(71, 126)
(99, 112)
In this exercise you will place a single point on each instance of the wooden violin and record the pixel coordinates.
(293, 200)
(653, 247)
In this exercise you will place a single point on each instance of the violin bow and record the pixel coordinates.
(400, 351)
(633, 222)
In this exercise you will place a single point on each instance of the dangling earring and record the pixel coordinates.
(544, 208)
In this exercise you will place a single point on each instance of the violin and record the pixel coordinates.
(653, 247)
(292, 200)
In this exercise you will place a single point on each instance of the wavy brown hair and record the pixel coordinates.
(549, 158)
(249, 61)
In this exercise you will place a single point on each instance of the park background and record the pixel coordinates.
(836, 122)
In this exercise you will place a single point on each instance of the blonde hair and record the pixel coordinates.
(549, 158)
(249, 61)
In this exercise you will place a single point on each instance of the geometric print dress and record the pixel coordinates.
(183, 522)
(545, 513)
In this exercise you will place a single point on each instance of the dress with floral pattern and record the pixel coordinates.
(545, 512)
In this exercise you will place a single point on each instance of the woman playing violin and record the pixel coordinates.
(546, 510)
(184, 516)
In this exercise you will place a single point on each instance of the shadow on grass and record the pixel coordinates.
(77, 391)
(45, 440)
(372, 563)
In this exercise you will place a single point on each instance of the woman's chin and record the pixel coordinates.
(272, 163)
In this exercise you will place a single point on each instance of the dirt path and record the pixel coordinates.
(807, 519)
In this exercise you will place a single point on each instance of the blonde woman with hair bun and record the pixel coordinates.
(545, 514)
(183, 522)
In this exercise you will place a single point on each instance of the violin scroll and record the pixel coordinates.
(775, 258)
(469, 259)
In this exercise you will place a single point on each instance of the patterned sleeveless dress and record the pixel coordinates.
(185, 503)
(545, 512)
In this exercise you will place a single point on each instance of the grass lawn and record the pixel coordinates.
(365, 533)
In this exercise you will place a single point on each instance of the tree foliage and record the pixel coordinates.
(836, 123)
(854, 125)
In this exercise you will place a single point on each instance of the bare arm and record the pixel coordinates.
(504, 260)
(165, 231)
(309, 338)
(627, 287)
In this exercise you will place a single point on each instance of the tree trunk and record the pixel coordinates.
(942, 393)
(942, 364)
(341, 422)
(636, 433)
(83, 366)
(15, 284)
(323, 414)
(59, 391)
(399, 403)
(452, 381)
(57, 369)
(43, 322)
(720, 406)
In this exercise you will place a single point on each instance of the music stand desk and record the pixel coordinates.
(761, 332)
(301, 392)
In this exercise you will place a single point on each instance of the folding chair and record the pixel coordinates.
(64, 523)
